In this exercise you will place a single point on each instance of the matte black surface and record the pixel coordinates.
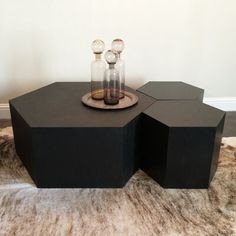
(23, 141)
(59, 105)
(229, 126)
(70, 145)
(171, 90)
(66, 144)
(181, 155)
(187, 113)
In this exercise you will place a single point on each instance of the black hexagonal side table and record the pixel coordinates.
(63, 143)
(171, 90)
(181, 143)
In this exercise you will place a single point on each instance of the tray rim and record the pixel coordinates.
(110, 107)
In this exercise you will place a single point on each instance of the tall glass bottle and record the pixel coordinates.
(112, 81)
(98, 67)
(118, 46)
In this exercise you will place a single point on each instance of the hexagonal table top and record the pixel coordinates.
(185, 114)
(59, 105)
(171, 90)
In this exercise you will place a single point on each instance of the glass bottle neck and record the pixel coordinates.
(111, 66)
(98, 56)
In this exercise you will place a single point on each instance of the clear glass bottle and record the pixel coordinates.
(118, 46)
(98, 67)
(112, 81)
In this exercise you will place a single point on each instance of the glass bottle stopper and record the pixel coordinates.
(118, 45)
(98, 46)
(111, 57)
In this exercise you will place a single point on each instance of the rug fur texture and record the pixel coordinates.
(142, 207)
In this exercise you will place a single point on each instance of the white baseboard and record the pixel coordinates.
(223, 103)
(4, 111)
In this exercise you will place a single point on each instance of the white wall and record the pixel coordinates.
(42, 41)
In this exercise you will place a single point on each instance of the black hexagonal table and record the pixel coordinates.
(181, 143)
(171, 90)
(63, 143)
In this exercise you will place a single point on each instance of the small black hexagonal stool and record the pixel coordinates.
(181, 143)
(171, 90)
(62, 143)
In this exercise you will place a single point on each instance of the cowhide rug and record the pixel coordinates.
(142, 207)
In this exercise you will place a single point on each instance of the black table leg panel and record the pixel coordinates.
(63, 143)
(181, 143)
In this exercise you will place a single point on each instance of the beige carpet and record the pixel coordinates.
(141, 208)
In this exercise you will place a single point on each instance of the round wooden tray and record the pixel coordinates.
(129, 100)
